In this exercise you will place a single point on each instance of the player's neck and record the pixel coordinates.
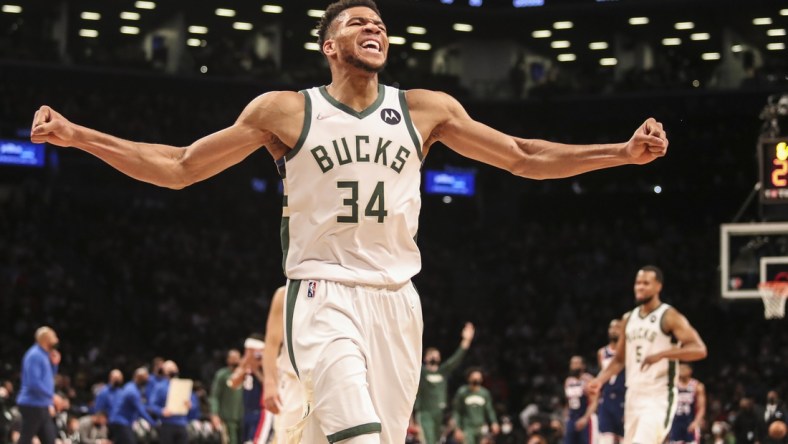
(353, 90)
(650, 306)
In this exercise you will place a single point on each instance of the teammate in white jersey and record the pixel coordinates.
(350, 155)
(282, 392)
(656, 336)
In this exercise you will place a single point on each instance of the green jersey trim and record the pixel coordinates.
(359, 115)
(304, 129)
(363, 429)
(403, 103)
(292, 295)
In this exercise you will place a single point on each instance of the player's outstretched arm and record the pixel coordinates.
(274, 335)
(445, 120)
(169, 166)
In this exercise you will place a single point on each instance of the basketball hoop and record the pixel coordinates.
(774, 294)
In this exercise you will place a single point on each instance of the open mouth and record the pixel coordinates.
(372, 46)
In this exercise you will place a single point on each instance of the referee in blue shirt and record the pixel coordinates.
(37, 393)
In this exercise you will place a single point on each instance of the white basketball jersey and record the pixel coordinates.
(645, 337)
(352, 192)
(283, 363)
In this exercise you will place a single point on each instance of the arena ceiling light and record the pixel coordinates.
(87, 15)
(684, 25)
(125, 15)
(421, 46)
(462, 27)
(699, 36)
(775, 32)
(563, 25)
(638, 21)
(12, 9)
(396, 40)
(608, 61)
(541, 34)
(193, 42)
(313, 33)
(597, 46)
(272, 9)
(141, 4)
(315, 13)
(88, 33)
(418, 30)
(710, 56)
(775, 46)
(311, 46)
(737, 48)
(194, 29)
(560, 44)
(131, 30)
(783, 12)
(671, 41)
(566, 57)
(762, 21)
(243, 26)
(224, 12)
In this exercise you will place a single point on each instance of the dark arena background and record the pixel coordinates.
(125, 271)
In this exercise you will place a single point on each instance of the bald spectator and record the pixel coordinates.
(36, 398)
(106, 397)
(128, 408)
(173, 426)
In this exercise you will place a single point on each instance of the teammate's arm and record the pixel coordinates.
(443, 119)
(616, 364)
(237, 377)
(169, 166)
(455, 359)
(274, 336)
(700, 408)
(692, 346)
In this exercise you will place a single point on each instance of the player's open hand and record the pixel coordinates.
(49, 126)
(271, 399)
(649, 142)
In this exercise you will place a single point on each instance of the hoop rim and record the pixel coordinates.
(774, 288)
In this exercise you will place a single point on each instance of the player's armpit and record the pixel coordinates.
(692, 346)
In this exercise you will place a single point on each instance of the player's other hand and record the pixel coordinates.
(581, 423)
(272, 402)
(649, 142)
(593, 387)
(49, 126)
(648, 360)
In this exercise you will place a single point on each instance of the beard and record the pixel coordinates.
(643, 301)
(613, 338)
(355, 61)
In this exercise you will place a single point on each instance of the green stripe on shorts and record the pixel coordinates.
(292, 295)
(363, 429)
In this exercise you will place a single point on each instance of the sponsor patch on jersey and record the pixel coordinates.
(390, 116)
(311, 289)
(653, 318)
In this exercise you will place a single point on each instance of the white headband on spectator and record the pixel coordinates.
(254, 344)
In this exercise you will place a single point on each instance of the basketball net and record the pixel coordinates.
(774, 294)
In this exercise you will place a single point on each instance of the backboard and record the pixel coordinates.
(749, 254)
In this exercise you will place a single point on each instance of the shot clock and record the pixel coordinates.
(773, 160)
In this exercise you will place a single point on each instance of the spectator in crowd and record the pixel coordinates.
(69, 434)
(473, 409)
(432, 397)
(156, 373)
(105, 398)
(36, 398)
(720, 434)
(774, 410)
(509, 433)
(226, 402)
(128, 408)
(173, 428)
(748, 426)
(93, 429)
(248, 376)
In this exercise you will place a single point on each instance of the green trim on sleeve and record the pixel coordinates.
(304, 129)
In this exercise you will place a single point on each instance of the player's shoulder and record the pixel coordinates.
(427, 99)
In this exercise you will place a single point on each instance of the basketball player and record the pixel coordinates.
(580, 409)
(610, 412)
(656, 336)
(282, 393)
(257, 423)
(691, 408)
(350, 155)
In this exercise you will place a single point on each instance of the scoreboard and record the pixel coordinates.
(773, 162)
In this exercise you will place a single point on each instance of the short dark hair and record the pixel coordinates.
(472, 370)
(258, 336)
(336, 8)
(657, 272)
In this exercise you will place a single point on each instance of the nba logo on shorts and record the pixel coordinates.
(311, 288)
